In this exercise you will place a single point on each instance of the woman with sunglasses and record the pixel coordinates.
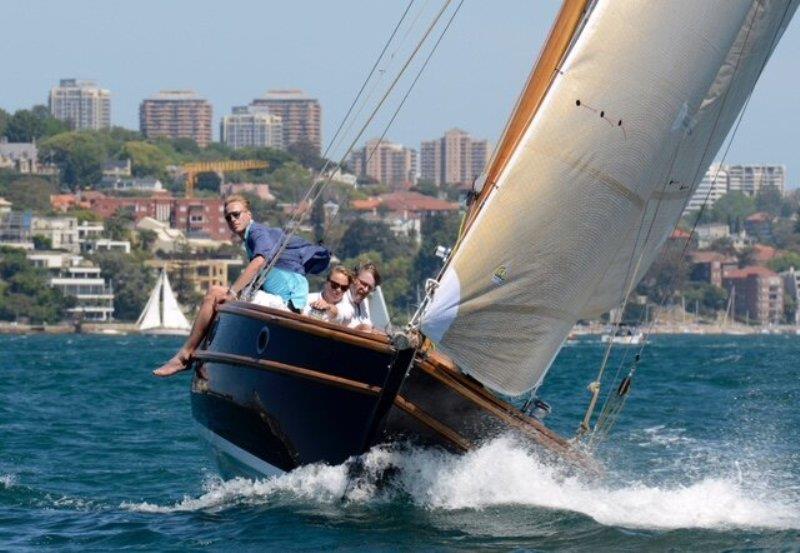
(328, 305)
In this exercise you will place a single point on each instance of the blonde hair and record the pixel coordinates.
(237, 198)
(342, 270)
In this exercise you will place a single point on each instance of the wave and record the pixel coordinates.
(503, 473)
(7, 480)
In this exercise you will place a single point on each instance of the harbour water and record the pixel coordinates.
(96, 455)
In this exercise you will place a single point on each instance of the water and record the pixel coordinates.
(95, 454)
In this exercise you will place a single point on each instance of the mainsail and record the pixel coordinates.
(151, 314)
(598, 176)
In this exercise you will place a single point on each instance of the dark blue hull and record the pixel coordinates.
(274, 391)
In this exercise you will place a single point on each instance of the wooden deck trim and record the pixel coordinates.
(428, 420)
(283, 368)
(533, 428)
(367, 340)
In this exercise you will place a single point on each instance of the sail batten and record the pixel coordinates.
(595, 184)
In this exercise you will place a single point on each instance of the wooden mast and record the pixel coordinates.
(531, 98)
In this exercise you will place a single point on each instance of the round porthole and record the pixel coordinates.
(262, 340)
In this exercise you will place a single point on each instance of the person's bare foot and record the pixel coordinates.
(173, 366)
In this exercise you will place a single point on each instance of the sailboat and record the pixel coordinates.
(162, 314)
(626, 106)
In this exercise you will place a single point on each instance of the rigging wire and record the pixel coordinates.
(611, 408)
(317, 187)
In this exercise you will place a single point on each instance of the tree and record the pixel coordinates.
(291, 182)
(118, 225)
(209, 181)
(4, 117)
(785, 262)
(318, 219)
(146, 159)
(79, 156)
(770, 200)
(28, 193)
(436, 230)
(364, 235)
(25, 292)
(131, 278)
(732, 208)
(667, 275)
(42, 243)
(29, 125)
(712, 298)
(307, 154)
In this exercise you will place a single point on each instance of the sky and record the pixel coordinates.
(234, 51)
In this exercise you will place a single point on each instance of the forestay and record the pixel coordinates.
(641, 105)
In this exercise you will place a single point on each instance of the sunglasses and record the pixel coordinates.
(233, 215)
(337, 286)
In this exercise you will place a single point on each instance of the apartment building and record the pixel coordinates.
(456, 158)
(386, 162)
(300, 114)
(252, 127)
(82, 104)
(176, 114)
(758, 294)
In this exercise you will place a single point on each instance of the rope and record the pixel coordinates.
(319, 185)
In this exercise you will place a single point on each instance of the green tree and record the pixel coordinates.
(33, 124)
(146, 159)
(436, 230)
(667, 275)
(711, 298)
(364, 235)
(79, 155)
(291, 182)
(119, 224)
(731, 208)
(307, 154)
(770, 200)
(318, 219)
(4, 117)
(785, 262)
(25, 292)
(131, 278)
(28, 193)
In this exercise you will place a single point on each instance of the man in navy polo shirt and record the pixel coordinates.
(285, 281)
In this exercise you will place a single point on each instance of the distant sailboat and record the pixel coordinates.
(162, 314)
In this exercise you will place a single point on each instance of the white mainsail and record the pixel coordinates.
(162, 312)
(637, 110)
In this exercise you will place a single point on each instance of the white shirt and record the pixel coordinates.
(344, 311)
(360, 315)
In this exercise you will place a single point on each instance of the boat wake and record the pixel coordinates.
(501, 474)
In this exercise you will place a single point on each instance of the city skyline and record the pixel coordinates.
(235, 60)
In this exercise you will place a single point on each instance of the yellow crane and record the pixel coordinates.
(193, 169)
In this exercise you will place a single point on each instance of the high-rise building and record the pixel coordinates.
(386, 162)
(752, 179)
(176, 114)
(713, 186)
(252, 127)
(301, 116)
(747, 179)
(82, 104)
(456, 158)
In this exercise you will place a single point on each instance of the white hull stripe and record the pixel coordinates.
(244, 457)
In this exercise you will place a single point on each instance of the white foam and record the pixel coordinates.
(8, 480)
(503, 473)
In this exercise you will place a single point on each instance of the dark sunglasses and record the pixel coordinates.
(336, 286)
(233, 215)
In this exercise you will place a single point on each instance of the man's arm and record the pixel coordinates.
(247, 275)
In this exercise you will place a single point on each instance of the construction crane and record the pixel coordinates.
(193, 169)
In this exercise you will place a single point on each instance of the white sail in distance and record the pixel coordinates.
(172, 316)
(637, 110)
(151, 314)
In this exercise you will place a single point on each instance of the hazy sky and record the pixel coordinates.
(234, 51)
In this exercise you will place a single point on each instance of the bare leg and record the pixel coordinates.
(215, 296)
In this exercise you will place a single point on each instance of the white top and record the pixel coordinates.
(360, 314)
(343, 316)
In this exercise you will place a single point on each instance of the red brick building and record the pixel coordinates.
(197, 217)
(758, 293)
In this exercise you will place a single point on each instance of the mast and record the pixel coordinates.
(558, 41)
